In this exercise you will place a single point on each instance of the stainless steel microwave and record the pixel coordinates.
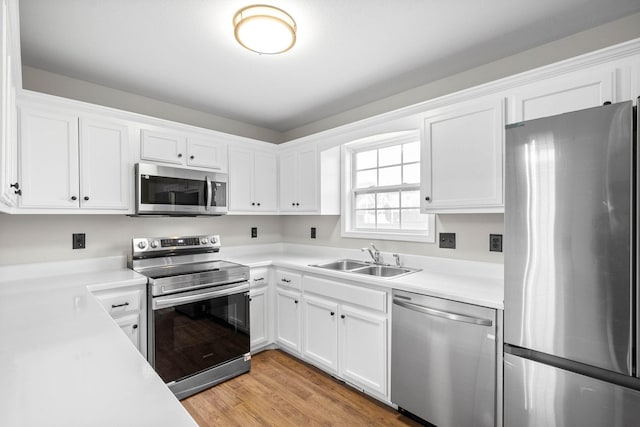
(163, 190)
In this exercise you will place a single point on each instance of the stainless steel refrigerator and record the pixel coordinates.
(571, 297)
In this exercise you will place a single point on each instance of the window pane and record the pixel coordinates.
(390, 155)
(389, 219)
(390, 176)
(411, 174)
(411, 199)
(412, 219)
(365, 201)
(365, 179)
(388, 200)
(366, 219)
(411, 152)
(366, 159)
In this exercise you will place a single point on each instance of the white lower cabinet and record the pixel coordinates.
(258, 302)
(288, 317)
(126, 305)
(345, 332)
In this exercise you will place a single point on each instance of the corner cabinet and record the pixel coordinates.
(72, 162)
(462, 158)
(252, 181)
(299, 179)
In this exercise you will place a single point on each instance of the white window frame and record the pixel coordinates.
(348, 193)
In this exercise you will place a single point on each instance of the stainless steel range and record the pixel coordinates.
(198, 310)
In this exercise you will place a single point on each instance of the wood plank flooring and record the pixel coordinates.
(283, 391)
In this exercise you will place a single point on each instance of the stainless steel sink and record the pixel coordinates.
(366, 268)
(342, 265)
(384, 270)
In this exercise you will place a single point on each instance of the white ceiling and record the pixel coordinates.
(349, 52)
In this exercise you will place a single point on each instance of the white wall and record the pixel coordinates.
(40, 238)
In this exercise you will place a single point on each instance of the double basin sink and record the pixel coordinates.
(366, 268)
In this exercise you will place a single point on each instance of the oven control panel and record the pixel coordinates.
(149, 245)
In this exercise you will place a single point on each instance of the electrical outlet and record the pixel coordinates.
(254, 232)
(78, 241)
(313, 232)
(495, 242)
(448, 240)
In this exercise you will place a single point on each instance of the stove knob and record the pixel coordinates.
(154, 244)
(214, 240)
(204, 240)
(142, 244)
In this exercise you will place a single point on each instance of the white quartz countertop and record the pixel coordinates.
(65, 362)
(472, 282)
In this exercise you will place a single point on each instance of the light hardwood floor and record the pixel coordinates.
(283, 391)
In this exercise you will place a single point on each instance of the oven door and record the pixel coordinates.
(166, 191)
(192, 332)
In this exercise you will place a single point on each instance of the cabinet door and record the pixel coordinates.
(205, 153)
(462, 157)
(571, 92)
(307, 180)
(8, 140)
(240, 180)
(258, 319)
(162, 147)
(363, 349)
(130, 325)
(288, 173)
(288, 319)
(48, 159)
(105, 170)
(321, 332)
(265, 181)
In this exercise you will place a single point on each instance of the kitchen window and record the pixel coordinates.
(382, 189)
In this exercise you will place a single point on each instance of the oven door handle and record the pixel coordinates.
(163, 302)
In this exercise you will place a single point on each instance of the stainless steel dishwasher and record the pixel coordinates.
(443, 360)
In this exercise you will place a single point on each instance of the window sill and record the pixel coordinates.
(389, 235)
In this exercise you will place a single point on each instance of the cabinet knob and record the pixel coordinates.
(192, 157)
(297, 204)
(258, 203)
(250, 299)
(74, 198)
(86, 197)
(332, 313)
(342, 316)
(16, 185)
(296, 301)
(293, 203)
(135, 326)
(427, 198)
(179, 155)
(253, 204)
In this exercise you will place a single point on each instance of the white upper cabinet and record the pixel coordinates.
(9, 72)
(561, 94)
(105, 169)
(252, 180)
(299, 179)
(72, 162)
(461, 156)
(183, 150)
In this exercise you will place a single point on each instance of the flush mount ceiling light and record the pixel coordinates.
(264, 29)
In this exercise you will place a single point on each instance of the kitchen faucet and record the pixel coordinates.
(375, 253)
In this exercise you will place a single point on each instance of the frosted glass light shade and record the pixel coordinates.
(264, 29)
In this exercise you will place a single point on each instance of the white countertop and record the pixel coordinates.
(65, 362)
(472, 282)
(63, 359)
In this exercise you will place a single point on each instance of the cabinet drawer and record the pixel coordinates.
(370, 298)
(117, 303)
(259, 277)
(289, 280)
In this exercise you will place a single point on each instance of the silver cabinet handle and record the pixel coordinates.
(167, 301)
(444, 314)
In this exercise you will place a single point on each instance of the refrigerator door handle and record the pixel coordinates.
(444, 314)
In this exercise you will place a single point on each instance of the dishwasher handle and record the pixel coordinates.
(444, 314)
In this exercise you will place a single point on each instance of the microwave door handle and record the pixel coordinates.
(209, 196)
